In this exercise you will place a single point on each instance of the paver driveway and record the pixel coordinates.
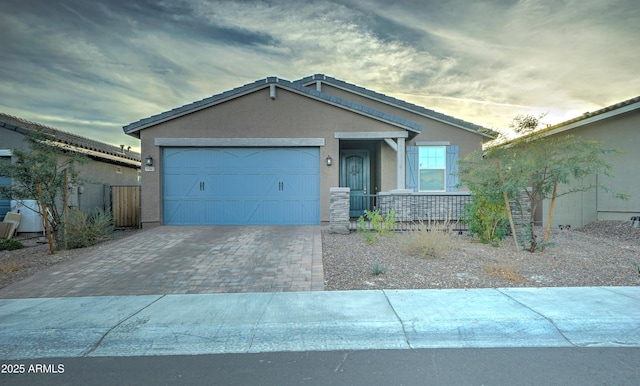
(186, 259)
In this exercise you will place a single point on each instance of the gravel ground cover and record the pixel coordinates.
(604, 253)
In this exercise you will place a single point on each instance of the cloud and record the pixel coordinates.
(533, 53)
(99, 65)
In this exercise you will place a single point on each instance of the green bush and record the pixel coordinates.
(10, 245)
(431, 239)
(84, 230)
(376, 226)
(487, 218)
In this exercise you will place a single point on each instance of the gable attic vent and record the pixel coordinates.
(272, 91)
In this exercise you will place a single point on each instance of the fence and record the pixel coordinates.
(125, 206)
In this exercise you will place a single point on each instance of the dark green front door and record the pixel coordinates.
(354, 173)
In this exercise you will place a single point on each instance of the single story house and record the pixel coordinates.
(108, 165)
(618, 127)
(268, 152)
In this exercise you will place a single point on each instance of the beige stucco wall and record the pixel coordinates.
(255, 115)
(11, 140)
(388, 170)
(621, 132)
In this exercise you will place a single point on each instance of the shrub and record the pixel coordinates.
(486, 217)
(10, 245)
(84, 230)
(376, 226)
(432, 238)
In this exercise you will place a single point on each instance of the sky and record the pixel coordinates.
(91, 67)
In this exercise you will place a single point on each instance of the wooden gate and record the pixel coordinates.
(125, 205)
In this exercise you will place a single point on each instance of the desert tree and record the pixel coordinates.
(534, 166)
(42, 173)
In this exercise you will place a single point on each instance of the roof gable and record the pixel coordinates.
(307, 81)
(135, 127)
(73, 142)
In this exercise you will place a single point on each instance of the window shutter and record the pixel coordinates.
(411, 167)
(452, 168)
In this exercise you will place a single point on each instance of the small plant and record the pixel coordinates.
(365, 232)
(10, 245)
(635, 264)
(376, 226)
(432, 239)
(529, 240)
(377, 268)
(84, 230)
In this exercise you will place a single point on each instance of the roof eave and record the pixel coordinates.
(357, 111)
(62, 138)
(257, 86)
(136, 129)
(311, 80)
(572, 124)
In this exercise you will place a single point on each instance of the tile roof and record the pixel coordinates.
(134, 127)
(93, 147)
(584, 117)
(395, 102)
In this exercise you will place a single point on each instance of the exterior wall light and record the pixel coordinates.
(149, 160)
(329, 160)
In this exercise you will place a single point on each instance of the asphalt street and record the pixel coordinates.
(494, 366)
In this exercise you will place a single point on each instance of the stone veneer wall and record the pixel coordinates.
(339, 210)
(410, 206)
(521, 212)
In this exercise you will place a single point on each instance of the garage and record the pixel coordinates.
(241, 186)
(4, 181)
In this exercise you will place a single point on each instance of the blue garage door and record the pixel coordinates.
(4, 201)
(241, 186)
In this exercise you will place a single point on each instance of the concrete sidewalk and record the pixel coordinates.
(319, 321)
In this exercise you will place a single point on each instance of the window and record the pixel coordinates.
(432, 162)
(431, 167)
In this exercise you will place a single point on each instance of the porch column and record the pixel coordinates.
(400, 164)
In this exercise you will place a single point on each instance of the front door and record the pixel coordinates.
(354, 174)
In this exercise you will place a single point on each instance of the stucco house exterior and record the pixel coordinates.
(108, 165)
(270, 151)
(618, 127)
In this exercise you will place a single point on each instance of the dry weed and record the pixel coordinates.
(10, 266)
(432, 239)
(505, 272)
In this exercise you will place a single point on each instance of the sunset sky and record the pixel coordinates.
(91, 67)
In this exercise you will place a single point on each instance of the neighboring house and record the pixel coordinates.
(618, 127)
(268, 152)
(108, 165)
